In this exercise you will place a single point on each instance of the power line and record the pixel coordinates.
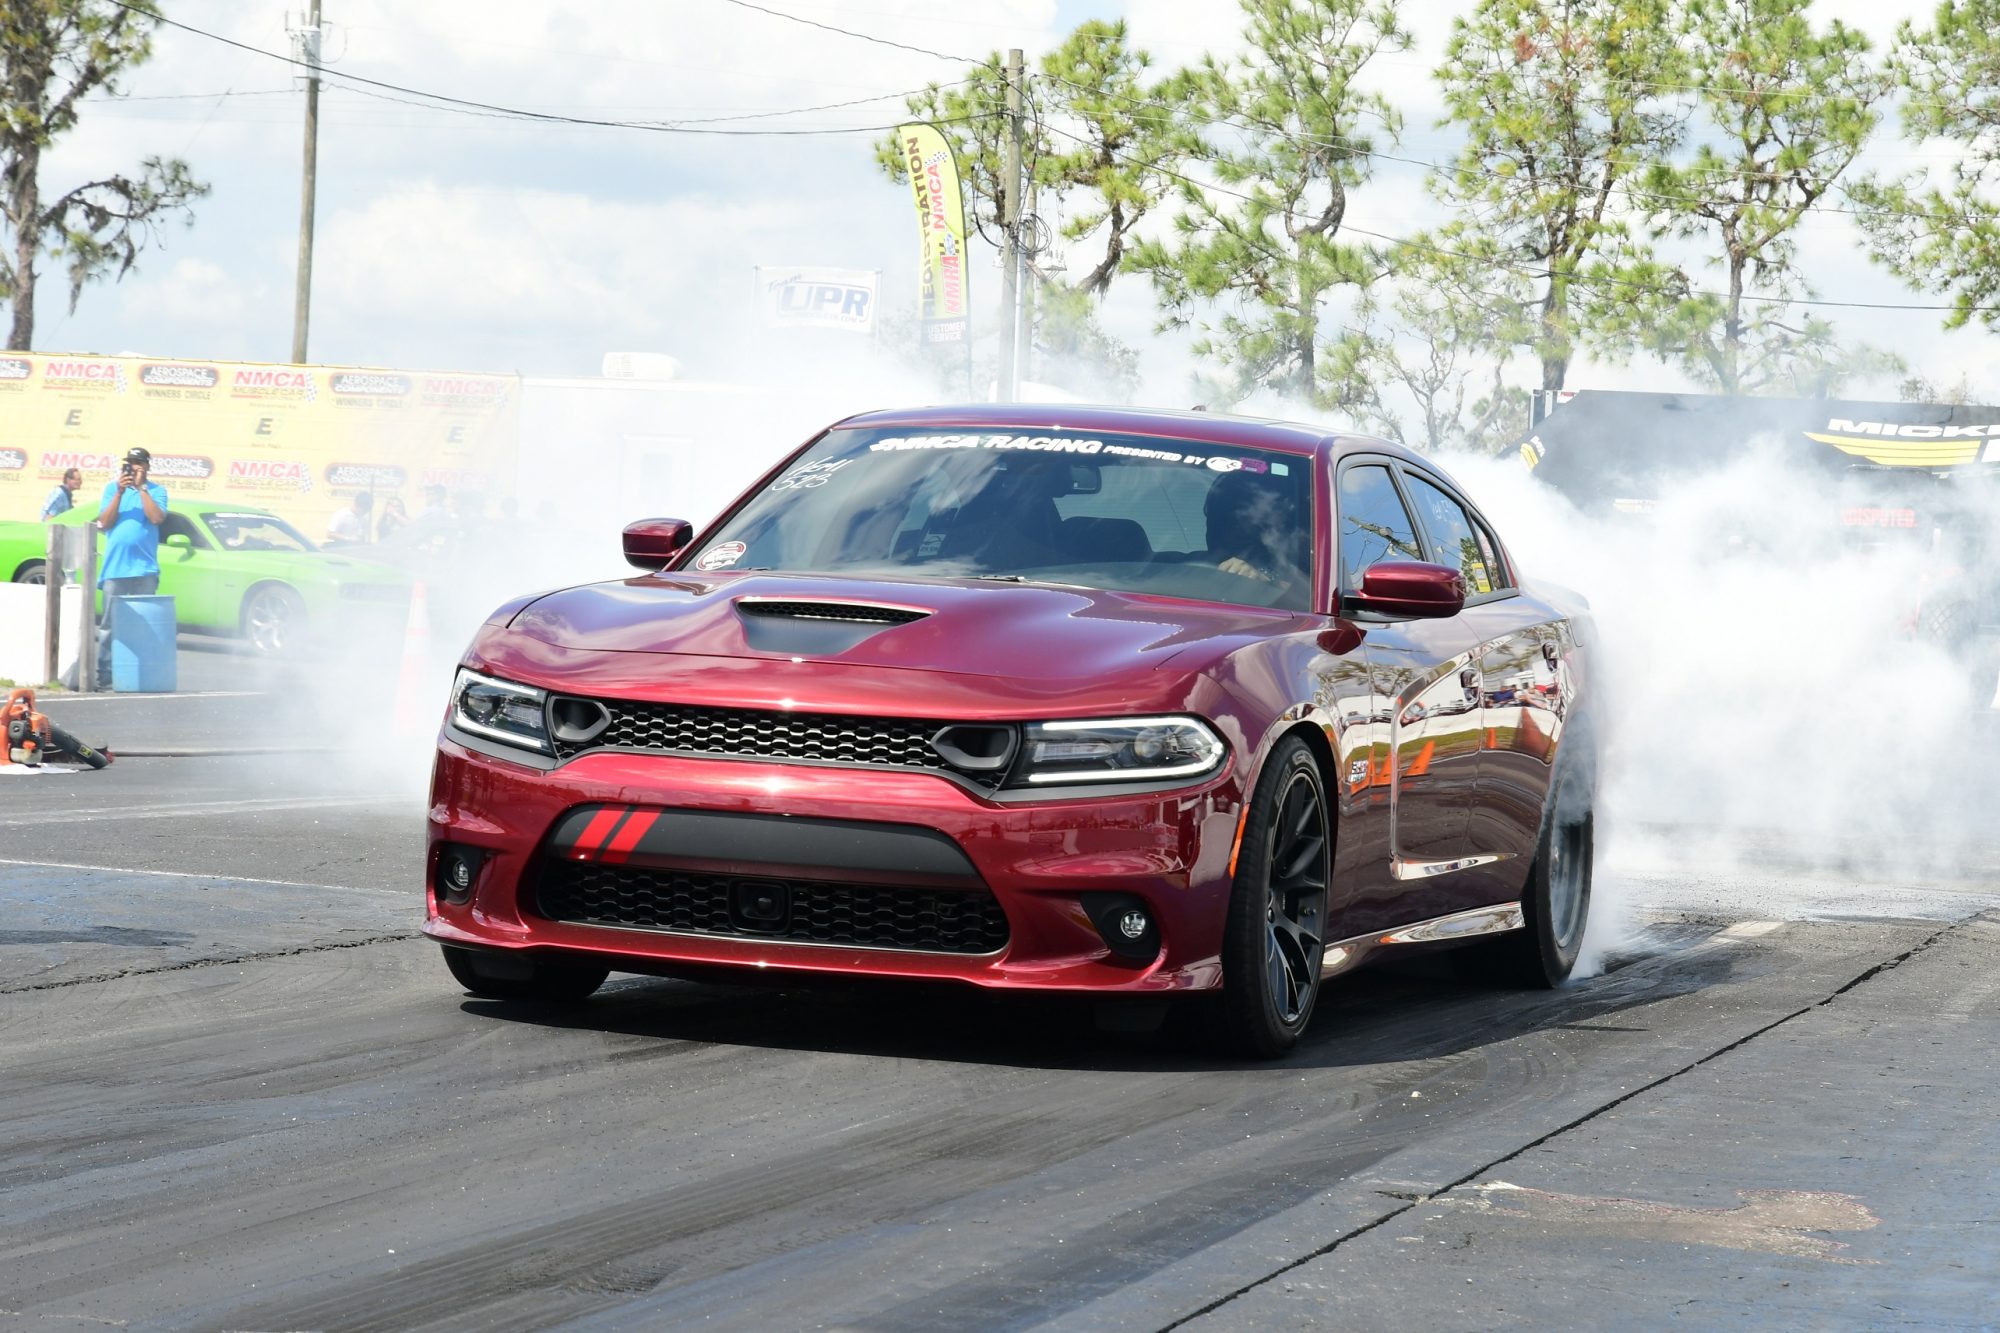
(444, 101)
(659, 127)
(116, 98)
(850, 32)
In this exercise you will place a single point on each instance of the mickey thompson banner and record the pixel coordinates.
(297, 440)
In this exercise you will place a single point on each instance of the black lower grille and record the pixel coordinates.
(872, 916)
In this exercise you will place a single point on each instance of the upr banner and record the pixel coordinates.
(944, 296)
(297, 440)
(817, 298)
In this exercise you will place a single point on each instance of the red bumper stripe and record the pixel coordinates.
(596, 831)
(628, 837)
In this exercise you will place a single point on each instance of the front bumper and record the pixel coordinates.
(631, 816)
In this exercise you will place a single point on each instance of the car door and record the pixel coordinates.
(1518, 718)
(1422, 769)
(187, 569)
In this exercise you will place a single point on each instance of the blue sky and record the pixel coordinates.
(462, 242)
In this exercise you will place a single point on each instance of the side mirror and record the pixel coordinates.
(1409, 588)
(652, 543)
(181, 542)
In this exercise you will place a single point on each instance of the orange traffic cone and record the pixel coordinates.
(413, 711)
(1422, 763)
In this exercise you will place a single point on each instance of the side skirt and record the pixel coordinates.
(1343, 954)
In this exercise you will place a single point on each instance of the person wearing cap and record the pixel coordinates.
(130, 517)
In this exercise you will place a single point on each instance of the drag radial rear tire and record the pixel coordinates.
(1275, 939)
(507, 978)
(1555, 904)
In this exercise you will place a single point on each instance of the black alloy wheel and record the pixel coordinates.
(1275, 940)
(499, 977)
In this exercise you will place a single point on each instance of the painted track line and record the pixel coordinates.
(198, 809)
(203, 874)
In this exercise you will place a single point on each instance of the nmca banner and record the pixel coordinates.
(297, 440)
(944, 296)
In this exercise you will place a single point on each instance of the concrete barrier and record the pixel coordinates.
(23, 632)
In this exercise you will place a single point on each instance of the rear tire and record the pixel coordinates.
(1556, 903)
(33, 571)
(526, 978)
(1274, 943)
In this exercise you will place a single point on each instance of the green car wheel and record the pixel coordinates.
(274, 619)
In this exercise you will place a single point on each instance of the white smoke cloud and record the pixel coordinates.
(1770, 702)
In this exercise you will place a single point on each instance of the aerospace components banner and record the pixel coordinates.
(297, 440)
(817, 298)
(944, 295)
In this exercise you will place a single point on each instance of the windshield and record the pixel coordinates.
(1130, 513)
(256, 532)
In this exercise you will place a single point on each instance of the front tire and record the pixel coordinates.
(1275, 940)
(33, 571)
(274, 619)
(507, 978)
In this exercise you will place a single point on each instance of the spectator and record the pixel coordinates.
(349, 526)
(133, 509)
(394, 517)
(433, 510)
(63, 498)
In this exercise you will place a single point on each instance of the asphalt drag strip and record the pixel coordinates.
(299, 1136)
(308, 819)
(1838, 1171)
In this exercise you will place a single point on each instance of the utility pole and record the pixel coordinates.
(1010, 230)
(307, 46)
(1024, 319)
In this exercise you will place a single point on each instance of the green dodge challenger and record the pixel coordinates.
(234, 570)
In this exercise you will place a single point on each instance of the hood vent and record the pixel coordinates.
(862, 613)
(799, 628)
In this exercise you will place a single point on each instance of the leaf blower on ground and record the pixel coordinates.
(32, 740)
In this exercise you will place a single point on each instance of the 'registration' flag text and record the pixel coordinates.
(943, 300)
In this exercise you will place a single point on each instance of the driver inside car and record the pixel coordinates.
(1253, 527)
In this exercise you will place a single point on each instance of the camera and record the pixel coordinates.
(127, 472)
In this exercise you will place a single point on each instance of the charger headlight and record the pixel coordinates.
(1135, 749)
(501, 711)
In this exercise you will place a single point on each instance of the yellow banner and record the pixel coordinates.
(297, 440)
(945, 294)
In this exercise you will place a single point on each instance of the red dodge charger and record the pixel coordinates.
(1030, 697)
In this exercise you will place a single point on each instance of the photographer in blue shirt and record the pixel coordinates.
(130, 519)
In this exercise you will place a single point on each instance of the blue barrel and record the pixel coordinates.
(142, 645)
